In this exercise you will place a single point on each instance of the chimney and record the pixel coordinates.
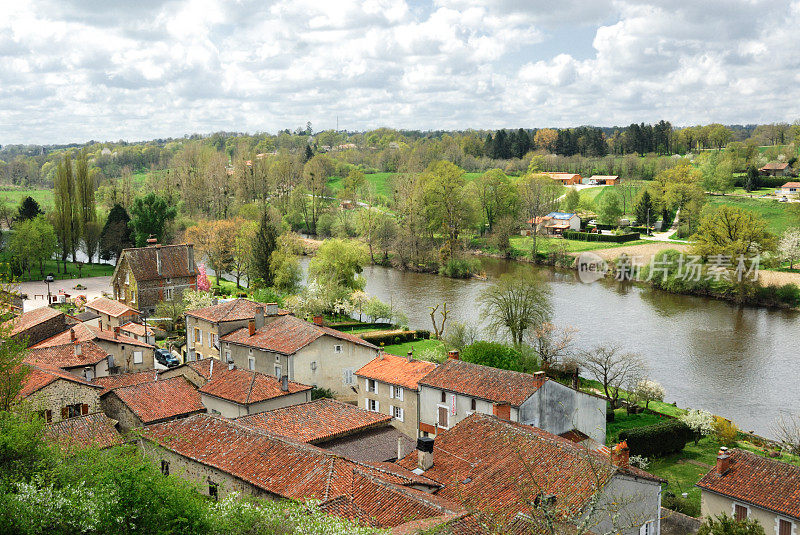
(540, 376)
(259, 319)
(271, 309)
(78, 348)
(284, 383)
(151, 240)
(400, 452)
(116, 333)
(251, 327)
(211, 369)
(318, 320)
(72, 336)
(452, 354)
(502, 411)
(410, 355)
(158, 259)
(190, 257)
(620, 455)
(723, 461)
(424, 453)
(156, 376)
(231, 365)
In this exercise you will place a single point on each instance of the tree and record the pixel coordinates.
(787, 431)
(496, 355)
(242, 248)
(647, 391)
(497, 196)
(194, 299)
(613, 368)
(149, 217)
(12, 352)
(33, 242)
(732, 231)
(551, 343)
(572, 200)
(91, 239)
(643, 208)
(447, 204)
(65, 219)
(215, 241)
(264, 244)
(203, 284)
(699, 421)
(751, 180)
(352, 184)
(28, 209)
(545, 139)
(316, 173)
(610, 209)
(723, 524)
(538, 196)
(789, 246)
(116, 234)
(85, 187)
(339, 263)
(515, 304)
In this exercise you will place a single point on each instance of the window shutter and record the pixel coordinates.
(84, 409)
(400, 393)
(402, 414)
(64, 413)
(391, 411)
(366, 404)
(377, 406)
(48, 415)
(391, 391)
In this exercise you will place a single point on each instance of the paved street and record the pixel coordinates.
(37, 290)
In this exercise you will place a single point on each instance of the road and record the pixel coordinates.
(37, 290)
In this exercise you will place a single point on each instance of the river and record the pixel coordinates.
(739, 362)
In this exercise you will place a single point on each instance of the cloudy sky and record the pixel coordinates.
(74, 70)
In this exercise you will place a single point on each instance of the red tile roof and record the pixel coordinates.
(174, 262)
(498, 467)
(84, 332)
(110, 307)
(64, 356)
(93, 430)
(791, 185)
(287, 335)
(246, 386)
(110, 382)
(25, 321)
(316, 421)
(396, 370)
(234, 310)
(766, 483)
(155, 401)
(135, 328)
(775, 166)
(40, 376)
(492, 384)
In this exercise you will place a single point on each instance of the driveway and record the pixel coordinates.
(37, 290)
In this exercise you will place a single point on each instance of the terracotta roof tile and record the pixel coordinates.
(135, 328)
(110, 307)
(246, 386)
(492, 384)
(775, 166)
(763, 482)
(159, 400)
(287, 335)
(93, 430)
(396, 370)
(40, 376)
(84, 332)
(110, 382)
(25, 321)
(315, 421)
(233, 310)
(174, 262)
(64, 356)
(791, 185)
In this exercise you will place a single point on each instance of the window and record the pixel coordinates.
(784, 527)
(337, 348)
(649, 528)
(165, 467)
(213, 341)
(137, 357)
(198, 336)
(213, 490)
(473, 405)
(228, 356)
(199, 355)
(278, 371)
(71, 411)
(739, 512)
(443, 415)
(251, 363)
(444, 397)
(396, 392)
(348, 374)
(46, 415)
(373, 405)
(372, 386)
(277, 358)
(167, 294)
(397, 412)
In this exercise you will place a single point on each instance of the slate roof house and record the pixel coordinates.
(746, 485)
(145, 276)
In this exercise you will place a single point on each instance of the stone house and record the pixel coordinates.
(776, 169)
(145, 276)
(112, 313)
(151, 402)
(84, 359)
(58, 395)
(745, 485)
(457, 389)
(513, 470)
(306, 352)
(389, 384)
(92, 430)
(204, 326)
(137, 331)
(37, 325)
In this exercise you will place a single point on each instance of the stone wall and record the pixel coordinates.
(61, 393)
(117, 410)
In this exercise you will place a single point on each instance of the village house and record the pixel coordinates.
(204, 326)
(776, 169)
(37, 325)
(58, 395)
(745, 485)
(151, 402)
(200, 449)
(110, 382)
(790, 188)
(12, 302)
(112, 313)
(602, 180)
(389, 384)
(126, 353)
(140, 332)
(338, 427)
(84, 359)
(145, 276)
(457, 389)
(308, 353)
(554, 223)
(505, 470)
(90, 431)
(566, 179)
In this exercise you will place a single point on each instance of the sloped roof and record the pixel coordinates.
(562, 176)
(111, 307)
(42, 375)
(246, 386)
(775, 166)
(84, 332)
(492, 384)
(287, 335)
(63, 356)
(766, 483)
(26, 320)
(93, 430)
(159, 400)
(110, 382)
(604, 177)
(396, 370)
(174, 261)
(561, 215)
(791, 185)
(315, 421)
(234, 310)
(136, 328)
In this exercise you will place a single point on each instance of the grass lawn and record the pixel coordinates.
(755, 192)
(380, 181)
(88, 270)
(623, 420)
(43, 196)
(417, 345)
(523, 244)
(778, 215)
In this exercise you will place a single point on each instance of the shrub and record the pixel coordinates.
(494, 354)
(725, 525)
(460, 268)
(788, 294)
(319, 393)
(384, 338)
(658, 439)
(700, 422)
(680, 504)
(725, 431)
(588, 236)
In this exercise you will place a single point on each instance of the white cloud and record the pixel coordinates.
(75, 70)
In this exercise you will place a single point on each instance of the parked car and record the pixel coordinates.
(784, 199)
(166, 358)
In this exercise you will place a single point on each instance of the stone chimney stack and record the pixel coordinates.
(424, 453)
(231, 366)
(453, 354)
(723, 461)
(72, 336)
(158, 259)
(400, 452)
(78, 348)
(271, 309)
(620, 455)
(259, 319)
(284, 383)
(116, 333)
(410, 355)
(251, 327)
(190, 257)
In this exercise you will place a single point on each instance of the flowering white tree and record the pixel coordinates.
(789, 246)
(647, 391)
(699, 421)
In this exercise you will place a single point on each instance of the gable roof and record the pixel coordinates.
(84, 332)
(234, 310)
(64, 356)
(155, 401)
(287, 335)
(766, 483)
(791, 185)
(110, 382)
(136, 328)
(143, 261)
(111, 307)
(561, 215)
(30, 319)
(315, 421)
(42, 375)
(246, 386)
(396, 370)
(93, 430)
(775, 166)
(492, 384)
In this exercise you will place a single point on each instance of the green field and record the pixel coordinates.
(382, 182)
(87, 270)
(43, 196)
(779, 215)
(417, 345)
(523, 244)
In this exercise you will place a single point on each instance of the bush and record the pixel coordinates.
(494, 354)
(319, 393)
(391, 338)
(788, 294)
(680, 504)
(460, 268)
(588, 236)
(725, 431)
(657, 440)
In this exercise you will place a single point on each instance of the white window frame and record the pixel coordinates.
(199, 336)
(138, 357)
(213, 340)
(648, 528)
(370, 401)
(374, 387)
(278, 371)
(227, 354)
(442, 406)
(733, 509)
(396, 392)
(167, 294)
(392, 409)
(337, 348)
(349, 375)
(792, 525)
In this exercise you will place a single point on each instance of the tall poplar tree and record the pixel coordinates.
(86, 212)
(64, 218)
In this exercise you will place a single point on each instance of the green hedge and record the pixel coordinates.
(392, 338)
(588, 236)
(669, 436)
(350, 325)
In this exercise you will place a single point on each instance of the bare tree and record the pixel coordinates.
(438, 331)
(538, 196)
(515, 304)
(613, 368)
(787, 430)
(551, 343)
